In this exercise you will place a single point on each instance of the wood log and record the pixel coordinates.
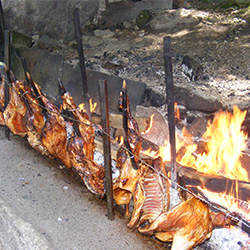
(214, 183)
(116, 121)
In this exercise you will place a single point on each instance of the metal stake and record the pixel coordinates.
(125, 122)
(103, 93)
(7, 65)
(170, 102)
(78, 35)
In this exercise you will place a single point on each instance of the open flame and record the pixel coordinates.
(225, 142)
(91, 105)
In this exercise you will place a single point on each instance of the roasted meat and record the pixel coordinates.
(92, 175)
(82, 126)
(151, 197)
(81, 147)
(125, 184)
(2, 104)
(34, 119)
(54, 134)
(188, 224)
(15, 112)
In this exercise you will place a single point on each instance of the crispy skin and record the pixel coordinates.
(84, 126)
(54, 134)
(92, 175)
(15, 112)
(188, 224)
(125, 184)
(81, 148)
(34, 119)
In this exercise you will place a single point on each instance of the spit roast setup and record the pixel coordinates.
(67, 134)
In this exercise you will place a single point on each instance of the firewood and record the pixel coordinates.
(116, 121)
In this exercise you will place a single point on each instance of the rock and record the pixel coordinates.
(154, 99)
(46, 42)
(173, 19)
(45, 68)
(19, 40)
(53, 17)
(196, 99)
(143, 19)
(159, 132)
(191, 68)
(104, 33)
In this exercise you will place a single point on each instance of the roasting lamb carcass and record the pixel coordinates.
(80, 147)
(128, 162)
(125, 184)
(2, 103)
(188, 224)
(15, 111)
(151, 197)
(54, 134)
(34, 119)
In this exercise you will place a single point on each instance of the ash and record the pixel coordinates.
(99, 159)
(227, 239)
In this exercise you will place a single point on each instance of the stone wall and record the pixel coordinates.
(55, 18)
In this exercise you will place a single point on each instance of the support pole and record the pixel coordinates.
(7, 65)
(2, 29)
(170, 102)
(125, 123)
(103, 93)
(167, 52)
(78, 36)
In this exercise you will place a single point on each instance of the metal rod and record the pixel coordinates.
(125, 123)
(2, 25)
(103, 93)
(7, 68)
(32, 84)
(78, 36)
(170, 101)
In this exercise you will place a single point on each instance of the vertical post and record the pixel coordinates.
(2, 27)
(78, 36)
(125, 122)
(170, 102)
(7, 65)
(103, 93)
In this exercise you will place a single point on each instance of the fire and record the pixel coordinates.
(228, 201)
(150, 124)
(176, 110)
(119, 140)
(91, 105)
(225, 142)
